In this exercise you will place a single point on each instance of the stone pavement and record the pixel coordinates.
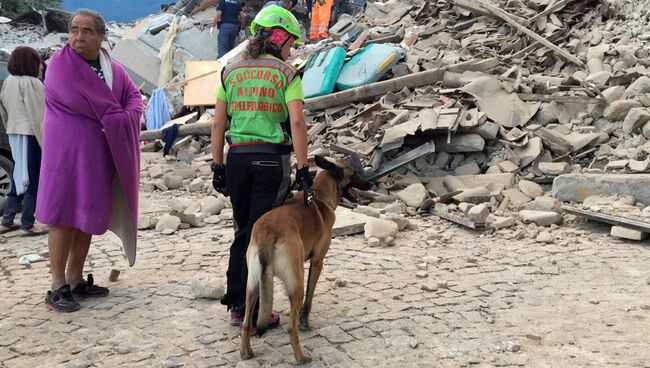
(441, 297)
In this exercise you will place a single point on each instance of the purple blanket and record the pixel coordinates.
(90, 170)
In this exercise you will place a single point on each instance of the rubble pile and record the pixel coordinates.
(478, 107)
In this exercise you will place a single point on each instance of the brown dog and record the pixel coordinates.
(283, 239)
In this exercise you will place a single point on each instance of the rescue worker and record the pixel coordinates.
(230, 20)
(261, 97)
(320, 19)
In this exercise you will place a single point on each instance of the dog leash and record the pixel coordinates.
(307, 195)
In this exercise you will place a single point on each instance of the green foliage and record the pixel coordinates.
(12, 8)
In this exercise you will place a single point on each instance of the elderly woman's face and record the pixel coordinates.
(84, 38)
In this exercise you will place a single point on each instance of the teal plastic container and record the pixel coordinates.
(368, 66)
(322, 71)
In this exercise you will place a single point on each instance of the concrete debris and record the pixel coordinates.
(540, 218)
(206, 286)
(627, 233)
(383, 230)
(447, 131)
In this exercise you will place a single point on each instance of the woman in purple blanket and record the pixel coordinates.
(90, 168)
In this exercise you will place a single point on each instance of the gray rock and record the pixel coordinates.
(380, 229)
(548, 113)
(613, 93)
(196, 185)
(599, 78)
(413, 195)
(368, 211)
(479, 213)
(540, 218)
(442, 160)
(508, 167)
(212, 205)
(618, 110)
(205, 286)
(577, 187)
(645, 130)
(464, 207)
(471, 142)
(635, 119)
(401, 221)
(173, 181)
(498, 222)
(155, 171)
(545, 237)
(516, 197)
(395, 207)
(627, 233)
(468, 169)
(554, 168)
(640, 86)
(546, 204)
(530, 189)
(146, 222)
(639, 166)
(168, 222)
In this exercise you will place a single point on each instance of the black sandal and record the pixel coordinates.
(8, 228)
(32, 232)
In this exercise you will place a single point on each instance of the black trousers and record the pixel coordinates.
(29, 197)
(258, 182)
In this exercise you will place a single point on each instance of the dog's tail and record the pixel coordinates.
(260, 274)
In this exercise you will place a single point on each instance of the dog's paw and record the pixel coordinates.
(246, 354)
(304, 359)
(304, 326)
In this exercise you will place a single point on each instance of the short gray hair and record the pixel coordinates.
(100, 25)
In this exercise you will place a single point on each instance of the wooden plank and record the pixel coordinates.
(508, 18)
(359, 41)
(552, 8)
(406, 158)
(202, 78)
(440, 210)
(184, 130)
(609, 219)
(315, 130)
(563, 99)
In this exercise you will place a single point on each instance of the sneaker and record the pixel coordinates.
(61, 300)
(236, 317)
(274, 321)
(88, 289)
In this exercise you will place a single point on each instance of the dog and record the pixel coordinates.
(287, 236)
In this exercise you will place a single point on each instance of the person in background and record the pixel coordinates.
(22, 104)
(90, 170)
(266, 122)
(230, 20)
(320, 19)
(287, 4)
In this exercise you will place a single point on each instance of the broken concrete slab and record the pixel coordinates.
(348, 222)
(554, 168)
(618, 110)
(530, 152)
(554, 141)
(516, 197)
(577, 187)
(383, 230)
(212, 205)
(635, 119)
(548, 204)
(502, 107)
(471, 142)
(530, 189)
(479, 213)
(639, 86)
(639, 166)
(627, 233)
(448, 184)
(540, 218)
(168, 224)
(470, 168)
(413, 195)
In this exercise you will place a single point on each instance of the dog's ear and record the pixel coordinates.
(328, 165)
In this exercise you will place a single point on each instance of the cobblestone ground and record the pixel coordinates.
(441, 297)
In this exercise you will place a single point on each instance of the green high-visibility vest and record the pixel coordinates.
(255, 93)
